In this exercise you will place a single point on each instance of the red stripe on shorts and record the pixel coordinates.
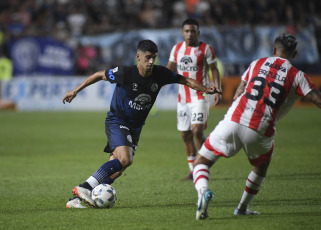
(210, 148)
(262, 159)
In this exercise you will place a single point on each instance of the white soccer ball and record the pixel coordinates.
(104, 196)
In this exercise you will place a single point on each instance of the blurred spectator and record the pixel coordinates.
(6, 70)
(87, 59)
(6, 67)
(202, 10)
(64, 20)
(148, 16)
(190, 7)
(39, 17)
(179, 13)
(76, 20)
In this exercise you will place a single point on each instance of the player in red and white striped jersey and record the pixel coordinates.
(268, 90)
(193, 59)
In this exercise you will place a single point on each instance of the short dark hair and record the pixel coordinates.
(191, 21)
(287, 43)
(147, 45)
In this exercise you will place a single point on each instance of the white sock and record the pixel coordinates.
(252, 187)
(92, 181)
(190, 161)
(201, 176)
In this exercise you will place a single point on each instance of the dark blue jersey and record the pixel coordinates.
(135, 95)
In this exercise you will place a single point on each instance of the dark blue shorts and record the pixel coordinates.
(120, 135)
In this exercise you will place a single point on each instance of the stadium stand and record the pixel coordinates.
(64, 20)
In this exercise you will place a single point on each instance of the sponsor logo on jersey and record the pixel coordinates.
(110, 74)
(276, 66)
(265, 117)
(141, 102)
(185, 64)
(186, 60)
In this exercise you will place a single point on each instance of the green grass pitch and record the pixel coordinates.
(43, 155)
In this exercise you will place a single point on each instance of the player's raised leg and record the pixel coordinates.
(252, 187)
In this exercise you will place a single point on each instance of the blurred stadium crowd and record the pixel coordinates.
(65, 20)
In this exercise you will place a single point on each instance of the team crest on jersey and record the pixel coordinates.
(197, 53)
(135, 86)
(115, 69)
(154, 87)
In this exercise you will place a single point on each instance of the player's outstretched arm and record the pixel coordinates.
(314, 96)
(70, 95)
(199, 86)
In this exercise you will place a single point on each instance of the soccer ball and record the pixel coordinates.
(104, 196)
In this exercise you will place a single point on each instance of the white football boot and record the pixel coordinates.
(75, 203)
(203, 201)
(84, 194)
(245, 212)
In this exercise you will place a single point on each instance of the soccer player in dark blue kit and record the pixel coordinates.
(135, 93)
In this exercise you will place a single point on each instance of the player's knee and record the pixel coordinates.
(125, 162)
(262, 169)
(187, 136)
(198, 133)
(201, 160)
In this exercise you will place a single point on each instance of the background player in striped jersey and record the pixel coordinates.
(268, 90)
(193, 59)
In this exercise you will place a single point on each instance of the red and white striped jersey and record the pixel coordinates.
(192, 62)
(273, 86)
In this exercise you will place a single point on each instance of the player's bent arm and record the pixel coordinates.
(70, 95)
(198, 86)
(217, 82)
(171, 65)
(240, 89)
(314, 96)
(216, 76)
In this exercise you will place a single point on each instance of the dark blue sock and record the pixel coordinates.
(107, 169)
(108, 181)
(86, 185)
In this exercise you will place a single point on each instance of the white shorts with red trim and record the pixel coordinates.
(229, 137)
(192, 113)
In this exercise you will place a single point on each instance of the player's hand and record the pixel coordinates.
(70, 95)
(212, 90)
